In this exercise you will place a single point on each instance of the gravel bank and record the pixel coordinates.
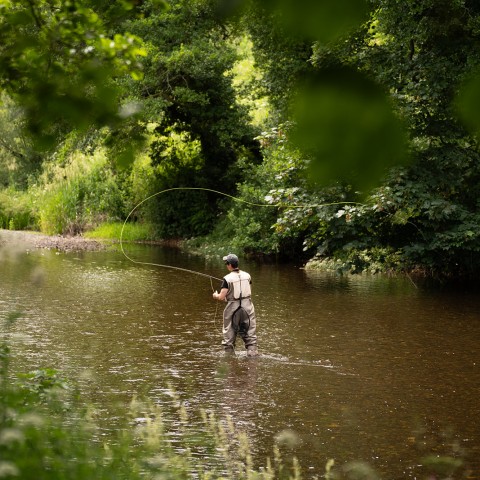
(30, 240)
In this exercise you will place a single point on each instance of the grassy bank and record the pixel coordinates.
(130, 232)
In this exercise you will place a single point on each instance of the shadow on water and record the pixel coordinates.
(355, 368)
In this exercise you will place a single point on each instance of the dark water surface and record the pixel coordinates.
(359, 368)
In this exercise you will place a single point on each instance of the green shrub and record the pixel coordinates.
(277, 212)
(80, 194)
(58, 210)
(16, 211)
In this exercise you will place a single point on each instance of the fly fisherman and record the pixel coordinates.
(239, 314)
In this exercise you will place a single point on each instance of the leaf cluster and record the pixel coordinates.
(57, 63)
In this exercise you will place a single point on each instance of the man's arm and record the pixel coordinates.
(222, 295)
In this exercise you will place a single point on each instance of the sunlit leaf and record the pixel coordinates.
(59, 66)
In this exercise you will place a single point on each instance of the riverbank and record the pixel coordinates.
(67, 243)
(31, 240)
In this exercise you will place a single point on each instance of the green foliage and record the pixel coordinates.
(132, 232)
(18, 159)
(424, 218)
(247, 224)
(430, 209)
(249, 227)
(246, 79)
(57, 63)
(193, 93)
(16, 210)
(282, 57)
(434, 212)
(426, 51)
(276, 211)
(344, 118)
(58, 210)
(346, 123)
(41, 382)
(178, 161)
(78, 194)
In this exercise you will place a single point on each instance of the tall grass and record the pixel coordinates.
(79, 192)
(78, 195)
(16, 211)
(132, 232)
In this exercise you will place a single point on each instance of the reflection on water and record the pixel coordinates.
(360, 368)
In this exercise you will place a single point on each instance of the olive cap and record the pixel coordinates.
(231, 258)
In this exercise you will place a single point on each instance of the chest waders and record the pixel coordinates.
(241, 319)
(239, 314)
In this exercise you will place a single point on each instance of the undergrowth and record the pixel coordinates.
(16, 211)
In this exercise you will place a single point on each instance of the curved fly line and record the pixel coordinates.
(252, 204)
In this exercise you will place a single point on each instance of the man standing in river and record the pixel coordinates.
(239, 314)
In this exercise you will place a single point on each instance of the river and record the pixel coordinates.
(360, 368)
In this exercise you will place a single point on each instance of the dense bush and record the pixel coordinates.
(277, 211)
(177, 161)
(16, 210)
(248, 224)
(424, 218)
(78, 194)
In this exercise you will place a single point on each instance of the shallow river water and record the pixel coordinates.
(360, 368)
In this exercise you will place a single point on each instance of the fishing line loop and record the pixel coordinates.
(211, 277)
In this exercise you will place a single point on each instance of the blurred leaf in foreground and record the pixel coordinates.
(346, 123)
(323, 20)
(468, 103)
(58, 64)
